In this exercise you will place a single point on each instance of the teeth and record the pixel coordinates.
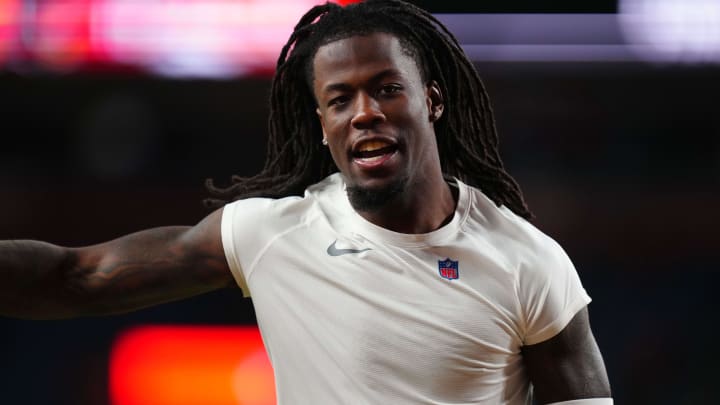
(371, 159)
(372, 145)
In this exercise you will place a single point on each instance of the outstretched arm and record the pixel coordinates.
(568, 366)
(43, 281)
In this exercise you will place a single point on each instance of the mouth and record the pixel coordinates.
(373, 152)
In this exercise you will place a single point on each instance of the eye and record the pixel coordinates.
(389, 89)
(338, 101)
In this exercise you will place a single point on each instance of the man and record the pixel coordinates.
(409, 277)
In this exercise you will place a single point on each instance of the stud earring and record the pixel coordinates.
(324, 141)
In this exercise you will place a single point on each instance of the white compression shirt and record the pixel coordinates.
(352, 313)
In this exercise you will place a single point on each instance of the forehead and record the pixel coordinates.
(356, 56)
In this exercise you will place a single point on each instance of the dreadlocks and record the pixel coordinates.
(467, 138)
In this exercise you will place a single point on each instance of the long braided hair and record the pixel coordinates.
(466, 134)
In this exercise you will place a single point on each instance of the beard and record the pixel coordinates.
(372, 199)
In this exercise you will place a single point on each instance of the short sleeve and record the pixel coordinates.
(231, 237)
(248, 228)
(550, 292)
(242, 230)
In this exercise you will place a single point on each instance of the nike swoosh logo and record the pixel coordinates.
(333, 251)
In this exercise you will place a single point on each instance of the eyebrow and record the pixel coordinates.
(374, 79)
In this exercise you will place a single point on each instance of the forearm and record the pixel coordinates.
(32, 276)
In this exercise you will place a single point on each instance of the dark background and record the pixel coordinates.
(620, 162)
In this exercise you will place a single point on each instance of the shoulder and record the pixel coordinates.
(521, 242)
(547, 286)
(249, 227)
(274, 213)
(265, 213)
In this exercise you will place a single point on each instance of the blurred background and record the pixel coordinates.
(114, 112)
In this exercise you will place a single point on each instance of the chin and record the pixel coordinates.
(373, 198)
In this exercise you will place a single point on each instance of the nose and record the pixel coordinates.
(367, 112)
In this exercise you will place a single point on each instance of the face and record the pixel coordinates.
(377, 114)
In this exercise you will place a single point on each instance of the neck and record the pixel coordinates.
(421, 208)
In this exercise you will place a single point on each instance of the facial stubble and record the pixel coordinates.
(370, 199)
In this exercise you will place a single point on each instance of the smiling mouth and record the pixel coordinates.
(374, 152)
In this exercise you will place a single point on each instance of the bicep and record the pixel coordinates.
(567, 366)
(149, 267)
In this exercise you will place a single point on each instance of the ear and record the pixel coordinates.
(435, 101)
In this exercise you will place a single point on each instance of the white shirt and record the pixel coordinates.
(352, 313)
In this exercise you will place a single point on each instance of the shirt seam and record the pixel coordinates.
(228, 242)
(559, 323)
(261, 252)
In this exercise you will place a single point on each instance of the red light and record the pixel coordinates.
(63, 33)
(181, 365)
(219, 38)
(9, 26)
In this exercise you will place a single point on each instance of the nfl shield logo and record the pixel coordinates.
(448, 269)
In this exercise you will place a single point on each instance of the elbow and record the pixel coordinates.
(81, 289)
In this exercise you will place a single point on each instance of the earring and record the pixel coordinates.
(324, 141)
